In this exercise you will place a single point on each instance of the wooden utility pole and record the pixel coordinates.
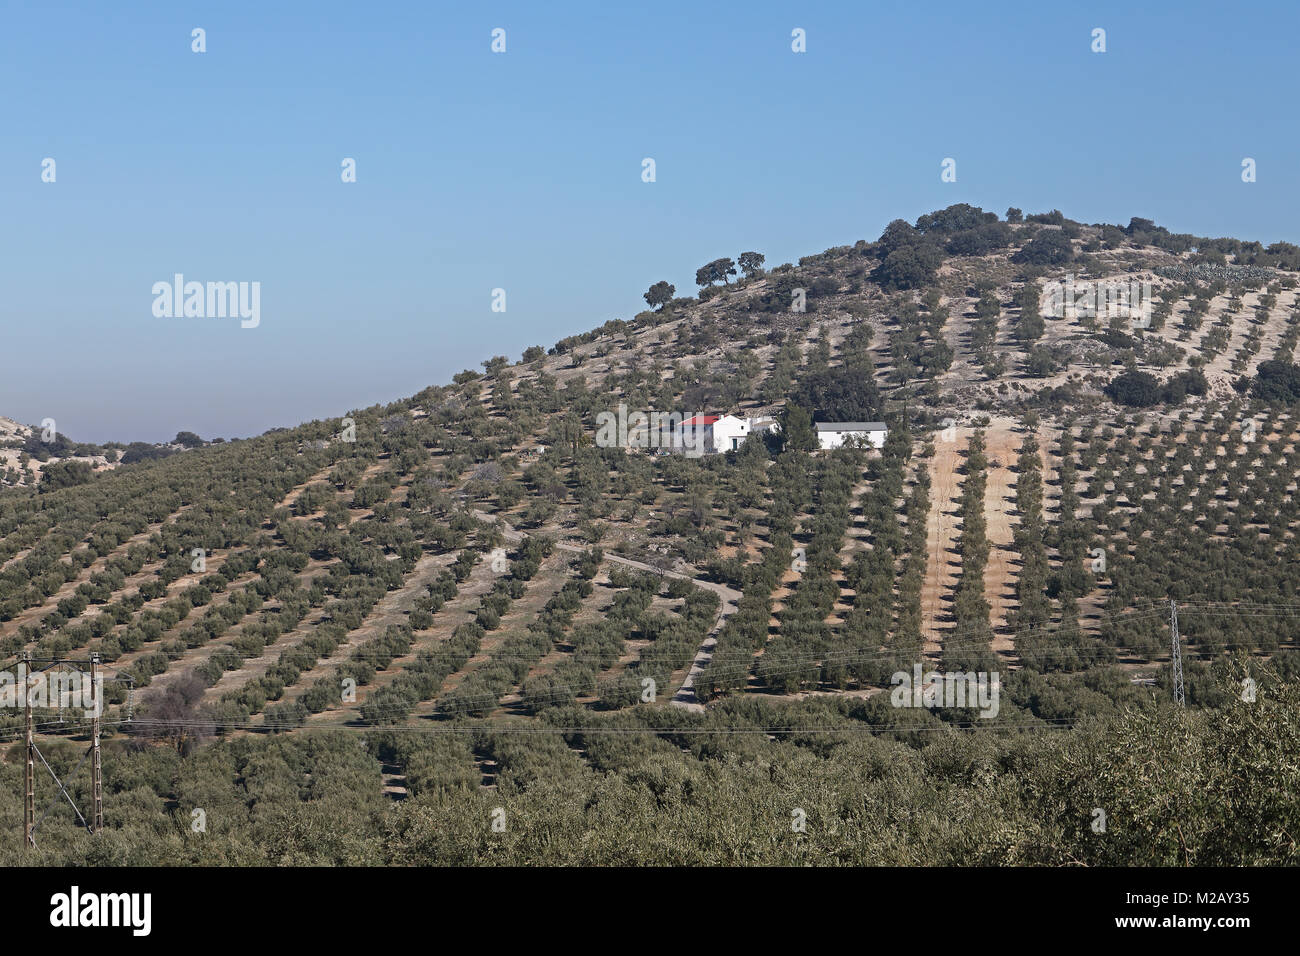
(29, 766)
(96, 778)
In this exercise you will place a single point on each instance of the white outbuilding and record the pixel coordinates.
(837, 434)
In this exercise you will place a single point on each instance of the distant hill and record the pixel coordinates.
(24, 454)
(29, 455)
(505, 609)
(1047, 468)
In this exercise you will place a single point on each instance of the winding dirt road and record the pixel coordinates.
(730, 598)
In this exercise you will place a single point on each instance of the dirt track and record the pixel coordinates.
(942, 528)
(730, 598)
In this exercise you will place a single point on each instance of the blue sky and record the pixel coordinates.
(522, 171)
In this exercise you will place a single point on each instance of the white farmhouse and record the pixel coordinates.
(837, 434)
(714, 434)
(729, 432)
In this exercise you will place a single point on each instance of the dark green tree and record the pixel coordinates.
(715, 271)
(751, 263)
(797, 428)
(659, 295)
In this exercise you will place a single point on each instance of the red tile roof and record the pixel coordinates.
(702, 420)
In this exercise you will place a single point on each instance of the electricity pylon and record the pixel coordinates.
(96, 700)
(1179, 694)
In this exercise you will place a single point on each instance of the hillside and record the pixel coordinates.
(470, 559)
(25, 455)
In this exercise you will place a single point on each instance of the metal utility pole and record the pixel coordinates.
(1179, 694)
(61, 700)
(29, 766)
(96, 778)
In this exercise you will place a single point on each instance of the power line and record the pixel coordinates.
(533, 727)
(559, 693)
(442, 727)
